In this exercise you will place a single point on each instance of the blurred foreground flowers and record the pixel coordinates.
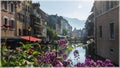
(28, 56)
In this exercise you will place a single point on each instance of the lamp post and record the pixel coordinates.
(29, 29)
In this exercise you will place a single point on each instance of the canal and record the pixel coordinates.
(81, 55)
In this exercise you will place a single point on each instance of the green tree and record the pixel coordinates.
(65, 32)
(51, 33)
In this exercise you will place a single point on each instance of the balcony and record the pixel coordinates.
(38, 23)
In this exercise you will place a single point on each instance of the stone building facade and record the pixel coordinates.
(23, 11)
(106, 20)
(38, 23)
(8, 19)
(16, 15)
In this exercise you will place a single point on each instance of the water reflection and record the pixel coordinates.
(80, 58)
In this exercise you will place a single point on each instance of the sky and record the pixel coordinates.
(79, 9)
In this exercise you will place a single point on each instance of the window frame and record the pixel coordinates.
(12, 23)
(5, 8)
(5, 17)
(11, 7)
(100, 31)
(20, 32)
(113, 31)
(5, 22)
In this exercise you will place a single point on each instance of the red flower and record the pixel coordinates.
(30, 51)
(6, 26)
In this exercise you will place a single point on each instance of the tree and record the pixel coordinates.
(51, 33)
(65, 32)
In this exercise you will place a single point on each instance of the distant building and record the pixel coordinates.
(59, 24)
(106, 22)
(65, 25)
(58, 28)
(69, 30)
(84, 35)
(76, 33)
(44, 23)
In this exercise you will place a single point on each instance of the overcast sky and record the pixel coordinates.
(69, 8)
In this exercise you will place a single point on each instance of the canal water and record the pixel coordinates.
(80, 58)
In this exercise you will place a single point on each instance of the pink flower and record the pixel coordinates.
(57, 63)
(62, 43)
(64, 56)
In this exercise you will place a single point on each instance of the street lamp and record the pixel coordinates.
(29, 29)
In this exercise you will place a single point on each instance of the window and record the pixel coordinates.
(116, 3)
(107, 5)
(12, 23)
(5, 5)
(12, 8)
(100, 31)
(19, 32)
(27, 19)
(112, 30)
(5, 21)
(18, 16)
(112, 4)
(38, 19)
(23, 18)
(35, 31)
(28, 9)
(4, 25)
(111, 50)
(24, 32)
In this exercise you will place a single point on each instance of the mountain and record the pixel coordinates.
(76, 23)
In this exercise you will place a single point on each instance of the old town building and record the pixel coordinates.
(23, 11)
(38, 23)
(65, 26)
(106, 20)
(89, 25)
(16, 16)
(8, 24)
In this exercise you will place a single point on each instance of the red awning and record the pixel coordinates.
(30, 38)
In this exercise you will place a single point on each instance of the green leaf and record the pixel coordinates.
(36, 53)
(54, 50)
(27, 46)
(3, 61)
(70, 48)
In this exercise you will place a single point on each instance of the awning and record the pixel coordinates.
(30, 38)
